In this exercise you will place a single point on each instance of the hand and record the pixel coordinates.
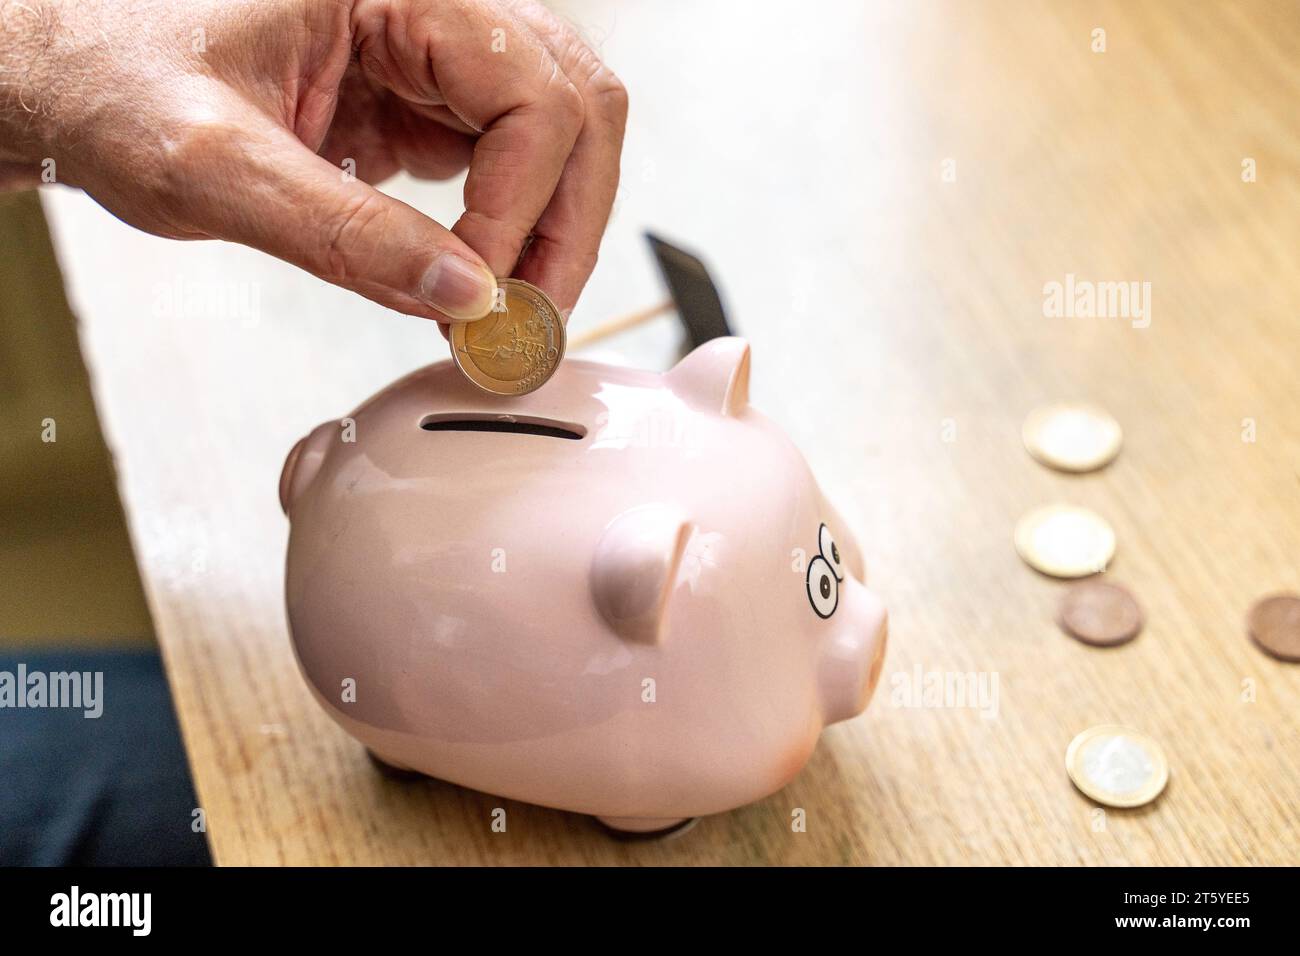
(243, 119)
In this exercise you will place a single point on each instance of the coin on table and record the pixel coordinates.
(1274, 624)
(1117, 766)
(517, 346)
(1100, 613)
(1065, 541)
(1072, 437)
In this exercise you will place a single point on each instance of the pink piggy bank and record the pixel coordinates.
(622, 595)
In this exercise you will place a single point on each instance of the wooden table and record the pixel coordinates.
(895, 303)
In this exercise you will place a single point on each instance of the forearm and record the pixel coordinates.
(74, 86)
(29, 40)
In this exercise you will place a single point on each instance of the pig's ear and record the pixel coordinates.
(304, 462)
(715, 376)
(634, 570)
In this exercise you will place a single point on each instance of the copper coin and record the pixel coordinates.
(1274, 624)
(1100, 613)
(516, 347)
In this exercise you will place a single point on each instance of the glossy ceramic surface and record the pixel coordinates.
(642, 608)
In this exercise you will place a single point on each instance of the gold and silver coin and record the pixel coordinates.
(1072, 437)
(1065, 541)
(1117, 766)
(516, 347)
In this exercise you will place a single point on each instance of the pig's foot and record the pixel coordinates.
(646, 828)
(392, 769)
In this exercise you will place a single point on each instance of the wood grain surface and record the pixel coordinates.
(896, 313)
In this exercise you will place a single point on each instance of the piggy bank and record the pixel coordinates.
(621, 595)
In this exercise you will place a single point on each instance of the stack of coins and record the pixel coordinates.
(1113, 765)
(517, 347)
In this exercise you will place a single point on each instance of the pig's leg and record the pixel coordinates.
(646, 828)
(391, 768)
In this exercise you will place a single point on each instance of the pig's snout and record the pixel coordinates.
(853, 655)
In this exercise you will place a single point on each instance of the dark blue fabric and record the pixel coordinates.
(110, 791)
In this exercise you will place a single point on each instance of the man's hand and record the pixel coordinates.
(264, 122)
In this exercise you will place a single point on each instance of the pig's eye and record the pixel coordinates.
(823, 587)
(831, 552)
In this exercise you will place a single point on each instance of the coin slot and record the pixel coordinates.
(510, 424)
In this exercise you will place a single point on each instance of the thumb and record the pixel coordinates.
(274, 194)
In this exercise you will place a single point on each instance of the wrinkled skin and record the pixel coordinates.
(242, 119)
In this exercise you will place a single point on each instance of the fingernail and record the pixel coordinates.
(458, 288)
